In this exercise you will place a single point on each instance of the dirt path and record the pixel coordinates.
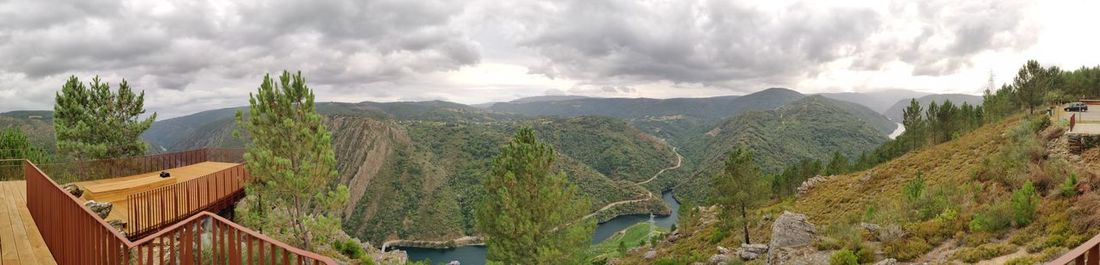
(649, 194)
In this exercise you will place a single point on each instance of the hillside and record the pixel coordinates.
(895, 111)
(810, 128)
(414, 168)
(37, 125)
(648, 108)
(963, 201)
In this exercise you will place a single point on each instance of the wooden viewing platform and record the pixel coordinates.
(116, 190)
(20, 241)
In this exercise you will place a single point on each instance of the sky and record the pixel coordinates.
(194, 55)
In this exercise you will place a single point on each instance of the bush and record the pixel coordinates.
(866, 254)
(350, 248)
(906, 249)
(983, 252)
(843, 257)
(1024, 260)
(1025, 202)
(1069, 187)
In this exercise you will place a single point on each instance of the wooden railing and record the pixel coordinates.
(1072, 121)
(75, 235)
(1087, 253)
(155, 209)
(69, 171)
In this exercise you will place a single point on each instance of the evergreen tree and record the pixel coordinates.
(739, 186)
(1032, 83)
(915, 126)
(91, 122)
(294, 196)
(530, 215)
(838, 165)
(15, 145)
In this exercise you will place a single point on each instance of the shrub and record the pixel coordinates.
(906, 249)
(1024, 260)
(1025, 202)
(843, 257)
(828, 243)
(1069, 187)
(866, 254)
(983, 252)
(350, 248)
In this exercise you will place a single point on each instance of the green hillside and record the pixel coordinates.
(37, 125)
(810, 128)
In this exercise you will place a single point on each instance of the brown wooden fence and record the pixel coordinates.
(1087, 253)
(155, 209)
(75, 235)
(64, 172)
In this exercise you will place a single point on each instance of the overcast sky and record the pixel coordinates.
(193, 55)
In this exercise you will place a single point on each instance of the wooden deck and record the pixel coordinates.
(20, 242)
(115, 190)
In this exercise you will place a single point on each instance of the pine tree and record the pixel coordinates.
(530, 215)
(739, 186)
(294, 196)
(915, 126)
(91, 122)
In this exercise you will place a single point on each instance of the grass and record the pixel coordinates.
(634, 236)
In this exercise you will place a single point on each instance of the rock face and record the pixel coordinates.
(751, 251)
(99, 208)
(649, 255)
(789, 232)
(73, 189)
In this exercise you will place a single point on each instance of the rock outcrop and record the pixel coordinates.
(810, 183)
(887, 262)
(73, 189)
(751, 251)
(791, 234)
(99, 208)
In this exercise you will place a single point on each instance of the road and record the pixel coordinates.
(1087, 122)
(649, 194)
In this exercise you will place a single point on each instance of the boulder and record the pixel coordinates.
(652, 254)
(871, 229)
(99, 208)
(73, 189)
(118, 224)
(454, 262)
(791, 230)
(719, 259)
(723, 250)
(751, 251)
(887, 262)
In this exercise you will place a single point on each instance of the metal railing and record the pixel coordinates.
(1087, 253)
(75, 235)
(155, 209)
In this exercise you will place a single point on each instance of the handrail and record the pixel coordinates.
(76, 235)
(154, 209)
(1086, 253)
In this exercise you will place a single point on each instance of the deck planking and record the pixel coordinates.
(20, 241)
(115, 190)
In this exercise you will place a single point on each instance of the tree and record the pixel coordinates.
(739, 186)
(293, 196)
(1025, 202)
(914, 125)
(91, 122)
(530, 215)
(1032, 83)
(15, 145)
(838, 165)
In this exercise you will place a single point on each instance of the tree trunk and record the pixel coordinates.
(745, 224)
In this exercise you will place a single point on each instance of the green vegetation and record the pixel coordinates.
(740, 187)
(637, 235)
(293, 196)
(843, 257)
(16, 145)
(528, 214)
(91, 122)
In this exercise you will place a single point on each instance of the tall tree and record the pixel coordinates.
(294, 196)
(91, 122)
(739, 186)
(1032, 83)
(915, 126)
(838, 165)
(530, 215)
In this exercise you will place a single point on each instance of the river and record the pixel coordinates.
(898, 131)
(475, 255)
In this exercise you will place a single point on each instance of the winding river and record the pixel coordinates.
(475, 255)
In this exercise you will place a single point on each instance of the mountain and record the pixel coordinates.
(37, 125)
(414, 168)
(879, 100)
(895, 112)
(810, 128)
(648, 108)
